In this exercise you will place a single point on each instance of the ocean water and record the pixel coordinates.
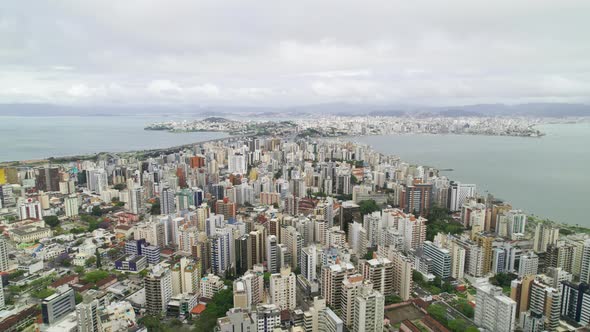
(547, 176)
(26, 138)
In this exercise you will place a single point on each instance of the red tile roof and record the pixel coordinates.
(198, 309)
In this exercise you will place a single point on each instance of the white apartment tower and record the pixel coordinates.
(585, 265)
(3, 255)
(494, 311)
(282, 289)
(368, 310)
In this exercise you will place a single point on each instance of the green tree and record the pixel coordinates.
(278, 174)
(96, 211)
(120, 186)
(94, 276)
(98, 259)
(42, 293)
(502, 279)
(457, 325)
(392, 299)
(369, 254)
(155, 209)
(90, 261)
(152, 323)
(465, 308)
(51, 221)
(368, 206)
(438, 312)
(219, 305)
(447, 287)
(417, 277)
(472, 329)
(440, 220)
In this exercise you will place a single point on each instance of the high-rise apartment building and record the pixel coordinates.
(268, 317)
(560, 255)
(309, 263)
(221, 246)
(332, 277)
(88, 315)
(528, 265)
(48, 179)
(441, 259)
(349, 290)
(402, 274)
(546, 301)
(272, 254)
(585, 263)
(71, 205)
(282, 289)
(368, 310)
(418, 199)
(167, 201)
(58, 305)
(459, 193)
(575, 302)
(158, 290)
(413, 231)
(380, 272)
(135, 203)
(544, 235)
(494, 311)
(4, 263)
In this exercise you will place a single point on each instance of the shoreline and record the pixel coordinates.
(348, 138)
(89, 156)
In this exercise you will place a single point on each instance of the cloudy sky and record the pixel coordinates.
(279, 53)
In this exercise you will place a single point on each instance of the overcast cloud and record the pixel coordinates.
(273, 52)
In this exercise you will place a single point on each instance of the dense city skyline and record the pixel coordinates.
(306, 166)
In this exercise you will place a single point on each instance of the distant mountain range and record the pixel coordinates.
(554, 110)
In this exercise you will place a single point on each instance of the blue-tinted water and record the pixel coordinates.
(547, 176)
(25, 138)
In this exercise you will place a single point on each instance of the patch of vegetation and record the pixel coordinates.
(433, 287)
(155, 209)
(369, 254)
(219, 305)
(278, 174)
(51, 221)
(503, 279)
(438, 312)
(157, 324)
(120, 186)
(42, 293)
(95, 276)
(368, 206)
(441, 221)
(393, 299)
(96, 211)
(344, 197)
(463, 307)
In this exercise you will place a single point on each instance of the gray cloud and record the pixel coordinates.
(267, 52)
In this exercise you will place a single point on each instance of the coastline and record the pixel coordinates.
(91, 156)
(533, 218)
